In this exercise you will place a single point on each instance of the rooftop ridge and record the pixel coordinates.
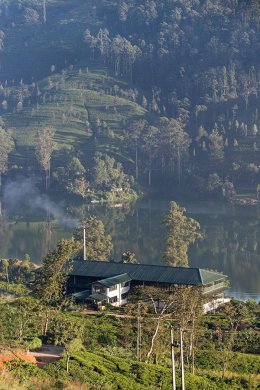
(142, 264)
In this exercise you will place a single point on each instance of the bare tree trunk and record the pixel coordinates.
(44, 11)
(67, 361)
(136, 161)
(153, 340)
(46, 180)
(179, 166)
(46, 324)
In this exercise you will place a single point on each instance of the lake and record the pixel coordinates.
(232, 243)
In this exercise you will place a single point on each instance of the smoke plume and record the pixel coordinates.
(23, 196)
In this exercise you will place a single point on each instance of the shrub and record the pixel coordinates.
(33, 344)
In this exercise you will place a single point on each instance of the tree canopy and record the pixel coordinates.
(182, 231)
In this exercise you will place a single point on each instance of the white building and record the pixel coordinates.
(105, 283)
(111, 290)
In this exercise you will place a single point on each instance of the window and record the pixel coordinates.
(124, 296)
(99, 289)
(113, 300)
(113, 288)
(126, 284)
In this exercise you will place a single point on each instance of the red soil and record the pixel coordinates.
(9, 355)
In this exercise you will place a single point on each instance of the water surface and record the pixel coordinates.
(231, 246)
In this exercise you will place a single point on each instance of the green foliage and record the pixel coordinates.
(181, 232)
(6, 146)
(240, 363)
(109, 174)
(24, 371)
(98, 243)
(33, 344)
(124, 73)
(14, 288)
(50, 284)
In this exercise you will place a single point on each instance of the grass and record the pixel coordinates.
(79, 96)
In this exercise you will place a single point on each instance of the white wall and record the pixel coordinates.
(116, 293)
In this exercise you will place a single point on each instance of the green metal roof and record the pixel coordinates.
(143, 272)
(82, 294)
(210, 276)
(98, 297)
(114, 280)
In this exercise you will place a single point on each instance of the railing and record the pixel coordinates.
(215, 287)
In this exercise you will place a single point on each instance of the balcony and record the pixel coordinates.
(215, 287)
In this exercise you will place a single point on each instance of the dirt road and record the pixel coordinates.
(47, 354)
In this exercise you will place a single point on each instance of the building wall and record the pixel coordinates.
(114, 293)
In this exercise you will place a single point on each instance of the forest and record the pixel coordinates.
(131, 96)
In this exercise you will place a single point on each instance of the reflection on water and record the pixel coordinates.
(232, 243)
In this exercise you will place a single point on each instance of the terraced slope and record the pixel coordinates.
(72, 103)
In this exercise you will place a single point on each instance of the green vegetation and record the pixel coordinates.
(181, 233)
(105, 354)
(108, 350)
(98, 246)
(145, 97)
(107, 98)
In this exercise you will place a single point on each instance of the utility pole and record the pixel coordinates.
(173, 361)
(182, 361)
(139, 337)
(84, 244)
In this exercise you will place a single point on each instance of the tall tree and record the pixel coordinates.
(98, 244)
(50, 285)
(5, 265)
(44, 147)
(181, 232)
(66, 333)
(44, 11)
(182, 305)
(216, 146)
(150, 145)
(6, 146)
(134, 134)
(176, 142)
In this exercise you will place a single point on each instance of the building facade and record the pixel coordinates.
(105, 283)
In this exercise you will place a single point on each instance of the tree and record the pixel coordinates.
(5, 264)
(181, 305)
(31, 16)
(258, 191)
(98, 243)
(134, 135)
(216, 146)
(150, 139)
(72, 177)
(181, 232)
(44, 148)
(235, 312)
(50, 285)
(214, 183)
(109, 174)
(128, 258)
(44, 11)
(2, 36)
(66, 333)
(176, 141)
(6, 146)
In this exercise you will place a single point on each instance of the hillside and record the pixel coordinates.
(92, 71)
(72, 102)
